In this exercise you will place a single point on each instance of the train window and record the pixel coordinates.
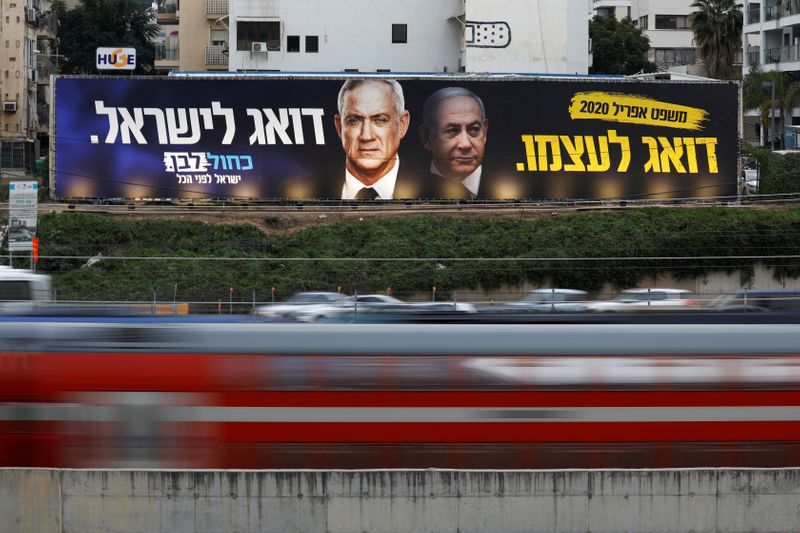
(15, 290)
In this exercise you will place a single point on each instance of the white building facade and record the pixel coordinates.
(541, 36)
(666, 24)
(771, 35)
(605, 8)
(771, 41)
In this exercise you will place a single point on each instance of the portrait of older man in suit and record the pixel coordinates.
(371, 121)
(455, 130)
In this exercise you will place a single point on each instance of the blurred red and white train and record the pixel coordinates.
(183, 394)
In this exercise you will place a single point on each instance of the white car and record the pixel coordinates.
(389, 304)
(309, 306)
(645, 300)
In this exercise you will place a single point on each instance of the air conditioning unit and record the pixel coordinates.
(10, 107)
(259, 47)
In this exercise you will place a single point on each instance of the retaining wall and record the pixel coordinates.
(722, 500)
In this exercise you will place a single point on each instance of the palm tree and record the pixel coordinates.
(757, 94)
(717, 27)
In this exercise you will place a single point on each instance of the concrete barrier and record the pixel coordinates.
(392, 500)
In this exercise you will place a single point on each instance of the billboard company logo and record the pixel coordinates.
(116, 58)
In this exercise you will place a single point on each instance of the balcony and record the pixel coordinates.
(754, 57)
(167, 13)
(216, 55)
(216, 8)
(790, 53)
(167, 53)
(790, 8)
(772, 13)
(772, 55)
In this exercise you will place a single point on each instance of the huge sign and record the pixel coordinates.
(113, 58)
(22, 202)
(406, 137)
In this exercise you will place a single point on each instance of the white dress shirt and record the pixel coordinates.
(384, 186)
(471, 182)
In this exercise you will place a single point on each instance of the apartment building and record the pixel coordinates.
(193, 35)
(772, 35)
(27, 58)
(544, 36)
(666, 24)
(619, 8)
(771, 41)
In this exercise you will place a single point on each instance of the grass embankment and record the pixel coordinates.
(652, 232)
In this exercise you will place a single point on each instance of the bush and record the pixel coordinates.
(416, 253)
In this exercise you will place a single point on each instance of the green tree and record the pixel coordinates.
(717, 27)
(618, 47)
(95, 23)
(757, 94)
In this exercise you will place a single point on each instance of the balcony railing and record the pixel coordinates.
(790, 53)
(754, 57)
(773, 55)
(790, 8)
(772, 13)
(216, 7)
(167, 53)
(216, 55)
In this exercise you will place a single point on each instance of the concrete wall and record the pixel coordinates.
(546, 36)
(356, 34)
(414, 501)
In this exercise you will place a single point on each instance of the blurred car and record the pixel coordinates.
(390, 304)
(309, 306)
(544, 301)
(645, 300)
(781, 301)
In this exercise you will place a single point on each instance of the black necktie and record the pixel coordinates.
(367, 193)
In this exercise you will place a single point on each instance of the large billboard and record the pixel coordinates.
(307, 137)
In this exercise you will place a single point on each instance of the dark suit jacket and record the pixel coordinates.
(409, 185)
(493, 186)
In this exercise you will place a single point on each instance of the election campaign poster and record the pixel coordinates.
(387, 138)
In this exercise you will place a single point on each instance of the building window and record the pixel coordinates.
(399, 33)
(351, 70)
(643, 22)
(675, 56)
(292, 43)
(383, 70)
(219, 38)
(312, 44)
(248, 33)
(672, 22)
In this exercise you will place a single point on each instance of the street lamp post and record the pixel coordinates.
(771, 85)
